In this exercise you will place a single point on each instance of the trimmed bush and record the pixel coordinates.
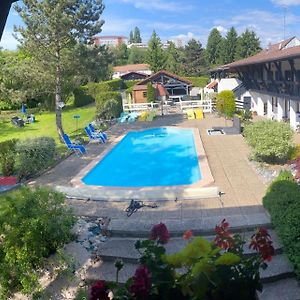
(115, 102)
(34, 155)
(94, 89)
(282, 200)
(150, 92)
(271, 141)
(226, 103)
(128, 84)
(111, 109)
(34, 224)
(8, 157)
(81, 97)
(198, 81)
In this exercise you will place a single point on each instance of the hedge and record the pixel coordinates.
(8, 157)
(282, 200)
(34, 155)
(81, 97)
(114, 98)
(198, 81)
(95, 88)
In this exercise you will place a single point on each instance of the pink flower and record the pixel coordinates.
(160, 233)
(141, 282)
(99, 291)
(187, 235)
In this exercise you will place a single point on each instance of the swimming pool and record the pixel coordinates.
(154, 157)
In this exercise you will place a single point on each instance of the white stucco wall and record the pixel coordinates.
(228, 84)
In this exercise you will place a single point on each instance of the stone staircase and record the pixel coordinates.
(278, 279)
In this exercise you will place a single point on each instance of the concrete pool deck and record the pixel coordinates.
(227, 156)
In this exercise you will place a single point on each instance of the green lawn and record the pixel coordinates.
(45, 124)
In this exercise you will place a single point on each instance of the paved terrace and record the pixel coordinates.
(228, 159)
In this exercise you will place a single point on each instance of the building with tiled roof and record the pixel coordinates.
(270, 81)
(119, 71)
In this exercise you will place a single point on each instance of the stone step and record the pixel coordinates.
(103, 270)
(278, 269)
(284, 289)
(204, 225)
(124, 247)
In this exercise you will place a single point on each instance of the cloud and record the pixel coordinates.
(162, 5)
(8, 41)
(221, 29)
(268, 25)
(286, 2)
(119, 25)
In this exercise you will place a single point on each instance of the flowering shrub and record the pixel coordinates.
(201, 270)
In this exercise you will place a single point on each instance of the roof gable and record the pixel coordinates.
(166, 76)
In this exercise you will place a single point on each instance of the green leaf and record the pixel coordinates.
(228, 259)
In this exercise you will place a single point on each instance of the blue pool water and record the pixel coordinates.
(154, 157)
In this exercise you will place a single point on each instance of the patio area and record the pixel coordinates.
(242, 189)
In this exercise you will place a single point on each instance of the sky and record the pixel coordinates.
(186, 19)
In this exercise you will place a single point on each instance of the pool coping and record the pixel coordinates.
(185, 191)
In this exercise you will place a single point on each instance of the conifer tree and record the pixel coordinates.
(50, 33)
(230, 45)
(213, 47)
(155, 54)
(248, 44)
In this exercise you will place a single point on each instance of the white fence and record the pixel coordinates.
(206, 105)
(140, 106)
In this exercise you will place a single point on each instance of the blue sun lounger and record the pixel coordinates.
(94, 131)
(73, 147)
(94, 136)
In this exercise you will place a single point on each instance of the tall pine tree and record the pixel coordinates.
(248, 44)
(194, 63)
(131, 40)
(51, 31)
(213, 47)
(155, 54)
(173, 63)
(230, 45)
(137, 35)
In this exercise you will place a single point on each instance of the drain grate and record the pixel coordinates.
(215, 132)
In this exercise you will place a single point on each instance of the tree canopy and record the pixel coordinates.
(248, 44)
(155, 53)
(51, 31)
(213, 47)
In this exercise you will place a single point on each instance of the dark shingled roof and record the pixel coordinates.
(149, 79)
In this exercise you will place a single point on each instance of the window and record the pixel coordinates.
(145, 94)
(274, 102)
(288, 75)
(298, 107)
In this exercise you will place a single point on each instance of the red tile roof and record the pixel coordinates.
(131, 68)
(212, 84)
(149, 79)
(161, 90)
(273, 52)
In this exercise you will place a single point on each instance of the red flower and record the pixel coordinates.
(99, 291)
(160, 233)
(141, 282)
(187, 235)
(261, 242)
(223, 237)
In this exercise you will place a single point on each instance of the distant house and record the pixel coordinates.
(119, 71)
(110, 40)
(134, 76)
(166, 84)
